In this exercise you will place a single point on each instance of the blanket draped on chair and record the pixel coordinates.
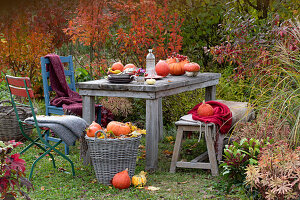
(66, 127)
(69, 100)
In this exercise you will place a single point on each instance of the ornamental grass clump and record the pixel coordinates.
(12, 174)
(277, 175)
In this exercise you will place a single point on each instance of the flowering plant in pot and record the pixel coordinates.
(12, 174)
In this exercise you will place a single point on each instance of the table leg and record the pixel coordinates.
(160, 119)
(88, 108)
(210, 93)
(152, 129)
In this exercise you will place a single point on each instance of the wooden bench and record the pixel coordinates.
(241, 111)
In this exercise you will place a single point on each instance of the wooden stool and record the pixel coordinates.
(209, 134)
(241, 112)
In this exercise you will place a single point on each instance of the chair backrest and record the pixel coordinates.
(20, 87)
(69, 73)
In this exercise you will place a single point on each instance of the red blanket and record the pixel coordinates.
(222, 116)
(66, 98)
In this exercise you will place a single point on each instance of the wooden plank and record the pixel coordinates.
(148, 95)
(170, 82)
(178, 90)
(18, 81)
(176, 150)
(210, 93)
(21, 91)
(200, 158)
(152, 129)
(115, 93)
(198, 165)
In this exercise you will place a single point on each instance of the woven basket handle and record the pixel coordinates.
(105, 137)
(20, 108)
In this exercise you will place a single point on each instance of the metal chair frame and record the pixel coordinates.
(21, 87)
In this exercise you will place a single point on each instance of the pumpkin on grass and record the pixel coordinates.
(139, 181)
(118, 128)
(121, 180)
(205, 110)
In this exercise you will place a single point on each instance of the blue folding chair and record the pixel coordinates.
(69, 73)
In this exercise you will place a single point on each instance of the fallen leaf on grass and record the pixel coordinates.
(167, 152)
(61, 169)
(152, 188)
(182, 182)
(94, 181)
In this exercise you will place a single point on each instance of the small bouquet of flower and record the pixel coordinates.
(140, 72)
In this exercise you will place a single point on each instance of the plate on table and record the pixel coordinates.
(123, 78)
(154, 77)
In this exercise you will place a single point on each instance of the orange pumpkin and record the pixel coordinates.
(118, 128)
(95, 124)
(191, 67)
(162, 68)
(121, 180)
(130, 66)
(205, 110)
(171, 60)
(177, 68)
(91, 130)
(117, 66)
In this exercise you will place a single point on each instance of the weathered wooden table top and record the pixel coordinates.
(168, 83)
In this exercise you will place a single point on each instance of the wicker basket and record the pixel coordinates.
(110, 156)
(9, 127)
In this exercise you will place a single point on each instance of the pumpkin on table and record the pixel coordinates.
(117, 66)
(162, 68)
(177, 68)
(191, 69)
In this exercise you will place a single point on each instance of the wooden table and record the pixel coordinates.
(153, 94)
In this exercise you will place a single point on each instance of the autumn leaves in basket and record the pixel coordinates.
(114, 130)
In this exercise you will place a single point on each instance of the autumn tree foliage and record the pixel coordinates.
(91, 27)
(28, 32)
(21, 47)
(151, 25)
(124, 30)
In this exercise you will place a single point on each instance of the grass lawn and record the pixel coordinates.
(50, 183)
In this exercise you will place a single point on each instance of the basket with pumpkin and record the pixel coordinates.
(113, 149)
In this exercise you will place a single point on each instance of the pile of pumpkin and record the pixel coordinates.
(122, 180)
(176, 64)
(114, 130)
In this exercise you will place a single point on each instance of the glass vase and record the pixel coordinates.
(140, 79)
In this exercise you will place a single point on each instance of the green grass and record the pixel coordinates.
(50, 183)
